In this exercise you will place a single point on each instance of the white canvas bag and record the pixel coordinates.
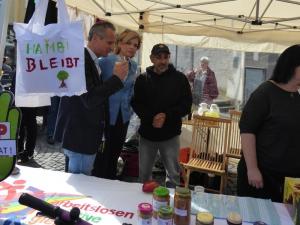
(50, 59)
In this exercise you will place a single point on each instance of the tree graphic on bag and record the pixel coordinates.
(62, 76)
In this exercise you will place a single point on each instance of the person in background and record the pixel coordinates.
(27, 134)
(6, 68)
(204, 88)
(81, 118)
(127, 44)
(51, 119)
(162, 96)
(26, 141)
(270, 131)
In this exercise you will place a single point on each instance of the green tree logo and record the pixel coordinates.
(62, 76)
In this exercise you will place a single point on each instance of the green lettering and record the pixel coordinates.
(51, 47)
(29, 48)
(60, 47)
(38, 49)
(96, 219)
(47, 45)
(90, 218)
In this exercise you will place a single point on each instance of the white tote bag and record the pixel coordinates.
(50, 59)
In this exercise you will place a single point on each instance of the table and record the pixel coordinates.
(101, 201)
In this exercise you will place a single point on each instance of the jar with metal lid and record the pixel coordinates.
(145, 212)
(165, 215)
(234, 218)
(259, 223)
(182, 206)
(204, 218)
(161, 197)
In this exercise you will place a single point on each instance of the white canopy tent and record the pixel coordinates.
(246, 25)
(243, 25)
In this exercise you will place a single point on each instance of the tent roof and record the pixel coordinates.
(244, 21)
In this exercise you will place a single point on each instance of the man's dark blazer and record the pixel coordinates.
(80, 120)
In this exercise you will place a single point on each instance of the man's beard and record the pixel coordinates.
(162, 69)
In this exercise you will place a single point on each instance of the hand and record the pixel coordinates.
(159, 120)
(121, 69)
(11, 115)
(255, 178)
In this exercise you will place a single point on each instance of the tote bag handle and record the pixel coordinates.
(39, 15)
(63, 16)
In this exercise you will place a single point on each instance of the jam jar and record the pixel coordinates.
(165, 215)
(182, 206)
(145, 212)
(161, 197)
(204, 218)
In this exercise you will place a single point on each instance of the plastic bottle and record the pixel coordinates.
(203, 108)
(213, 111)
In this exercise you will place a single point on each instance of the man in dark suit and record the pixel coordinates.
(81, 118)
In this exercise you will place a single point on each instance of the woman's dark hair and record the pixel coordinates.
(99, 28)
(286, 65)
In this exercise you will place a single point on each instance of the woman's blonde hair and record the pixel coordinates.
(126, 36)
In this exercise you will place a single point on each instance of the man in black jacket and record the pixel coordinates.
(162, 96)
(81, 119)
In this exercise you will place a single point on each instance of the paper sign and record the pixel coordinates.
(4, 130)
(7, 147)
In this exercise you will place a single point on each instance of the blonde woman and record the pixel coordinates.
(127, 44)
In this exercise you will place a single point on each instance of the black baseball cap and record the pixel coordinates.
(160, 48)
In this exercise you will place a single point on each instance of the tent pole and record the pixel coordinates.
(193, 57)
(257, 10)
(171, 7)
(203, 11)
(192, 4)
(99, 5)
(282, 20)
(176, 55)
(270, 2)
(290, 1)
(141, 33)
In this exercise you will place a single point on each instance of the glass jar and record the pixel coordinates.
(161, 197)
(121, 59)
(165, 216)
(204, 218)
(234, 218)
(145, 212)
(182, 206)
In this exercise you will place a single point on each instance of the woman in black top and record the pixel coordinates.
(270, 131)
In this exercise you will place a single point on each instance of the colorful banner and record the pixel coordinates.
(100, 201)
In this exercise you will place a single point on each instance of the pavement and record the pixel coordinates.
(51, 157)
(46, 156)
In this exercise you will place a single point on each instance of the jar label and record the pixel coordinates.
(145, 221)
(180, 212)
(158, 204)
(164, 222)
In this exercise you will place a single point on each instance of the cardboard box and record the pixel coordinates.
(292, 196)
